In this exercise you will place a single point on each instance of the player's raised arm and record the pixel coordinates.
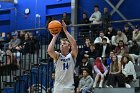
(74, 48)
(51, 50)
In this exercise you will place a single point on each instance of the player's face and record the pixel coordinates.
(64, 46)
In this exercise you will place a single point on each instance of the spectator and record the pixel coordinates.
(100, 70)
(96, 16)
(120, 36)
(134, 52)
(114, 72)
(106, 19)
(85, 20)
(127, 32)
(86, 47)
(98, 40)
(136, 35)
(15, 41)
(85, 65)
(67, 20)
(121, 49)
(104, 51)
(128, 70)
(92, 54)
(110, 32)
(109, 59)
(86, 83)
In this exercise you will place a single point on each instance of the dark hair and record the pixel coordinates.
(104, 39)
(96, 6)
(87, 70)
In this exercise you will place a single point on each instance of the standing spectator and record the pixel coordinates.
(86, 83)
(96, 16)
(114, 72)
(106, 19)
(67, 20)
(85, 20)
(100, 70)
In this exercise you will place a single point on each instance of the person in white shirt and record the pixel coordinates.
(128, 70)
(98, 40)
(96, 16)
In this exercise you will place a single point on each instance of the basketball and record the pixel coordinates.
(54, 27)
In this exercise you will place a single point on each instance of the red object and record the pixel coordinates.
(98, 63)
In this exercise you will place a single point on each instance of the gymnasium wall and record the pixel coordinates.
(55, 8)
(129, 8)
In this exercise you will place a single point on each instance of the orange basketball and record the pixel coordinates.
(54, 27)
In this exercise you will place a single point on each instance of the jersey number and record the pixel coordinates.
(65, 66)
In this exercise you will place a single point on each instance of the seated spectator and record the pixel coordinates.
(92, 54)
(121, 49)
(51, 84)
(104, 50)
(85, 65)
(95, 18)
(98, 40)
(108, 60)
(86, 83)
(26, 45)
(134, 52)
(34, 43)
(85, 20)
(110, 32)
(106, 19)
(128, 71)
(120, 36)
(114, 72)
(136, 35)
(15, 41)
(127, 32)
(101, 72)
(7, 40)
(86, 47)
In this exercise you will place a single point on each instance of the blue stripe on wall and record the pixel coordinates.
(4, 22)
(5, 17)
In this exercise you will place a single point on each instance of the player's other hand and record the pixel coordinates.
(64, 26)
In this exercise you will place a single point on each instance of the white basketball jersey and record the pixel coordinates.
(64, 71)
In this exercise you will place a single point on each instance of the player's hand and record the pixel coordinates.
(55, 35)
(64, 26)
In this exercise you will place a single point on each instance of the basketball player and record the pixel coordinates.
(64, 62)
